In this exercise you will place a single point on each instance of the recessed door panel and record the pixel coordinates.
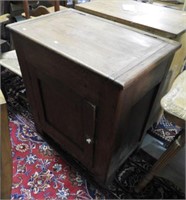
(65, 116)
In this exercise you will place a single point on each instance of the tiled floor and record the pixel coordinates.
(175, 170)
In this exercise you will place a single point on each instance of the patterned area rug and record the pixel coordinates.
(39, 172)
(164, 131)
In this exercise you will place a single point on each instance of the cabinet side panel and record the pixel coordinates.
(137, 101)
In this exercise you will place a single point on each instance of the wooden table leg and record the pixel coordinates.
(6, 157)
(56, 5)
(163, 160)
(26, 8)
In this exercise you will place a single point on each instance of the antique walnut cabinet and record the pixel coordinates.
(91, 83)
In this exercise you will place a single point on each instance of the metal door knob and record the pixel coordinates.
(88, 140)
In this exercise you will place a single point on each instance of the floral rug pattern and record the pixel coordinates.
(38, 171)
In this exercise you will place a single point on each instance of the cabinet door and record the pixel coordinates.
(65, 116)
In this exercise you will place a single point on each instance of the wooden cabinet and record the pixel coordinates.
(91, 84)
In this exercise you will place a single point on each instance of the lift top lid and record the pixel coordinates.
(156, 19)
(107, 48)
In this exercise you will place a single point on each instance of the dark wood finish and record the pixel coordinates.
(6, 156)
(91, 83)
(56, 6)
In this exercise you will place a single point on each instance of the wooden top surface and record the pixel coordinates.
(100, 45)
(9, 60)
(146, 16)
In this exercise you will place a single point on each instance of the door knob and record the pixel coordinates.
(88, 140)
